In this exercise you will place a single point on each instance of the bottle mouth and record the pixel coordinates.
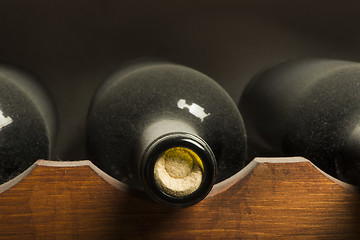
(178, 170)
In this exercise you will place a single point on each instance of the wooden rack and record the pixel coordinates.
(272, 198)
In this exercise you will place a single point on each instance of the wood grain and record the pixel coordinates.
(270, 199)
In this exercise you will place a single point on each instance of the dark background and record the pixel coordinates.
(73, 45)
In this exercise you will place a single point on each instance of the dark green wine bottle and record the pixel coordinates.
(308, 107)
(166, 129)
(27, 121)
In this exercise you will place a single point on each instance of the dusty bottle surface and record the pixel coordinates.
(166, 129)
(27, 121)
(310, 108)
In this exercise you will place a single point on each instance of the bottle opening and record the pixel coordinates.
(178, 172)
(178, 169)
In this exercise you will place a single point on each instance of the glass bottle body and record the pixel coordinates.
(308, 108)
(27, 121)
(147, 106)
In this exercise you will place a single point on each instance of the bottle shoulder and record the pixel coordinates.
(19, 83)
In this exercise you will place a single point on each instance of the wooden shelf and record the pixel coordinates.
(280, 198)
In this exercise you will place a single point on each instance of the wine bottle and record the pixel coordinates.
(165, 129)
(308, 107)
(27, 121)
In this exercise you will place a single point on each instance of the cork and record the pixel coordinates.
(178, 172)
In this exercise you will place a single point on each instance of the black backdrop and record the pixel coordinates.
(73, 45)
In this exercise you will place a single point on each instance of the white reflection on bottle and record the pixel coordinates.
(4, 121)
(194, 109)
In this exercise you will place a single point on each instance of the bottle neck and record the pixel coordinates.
(178, 169)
